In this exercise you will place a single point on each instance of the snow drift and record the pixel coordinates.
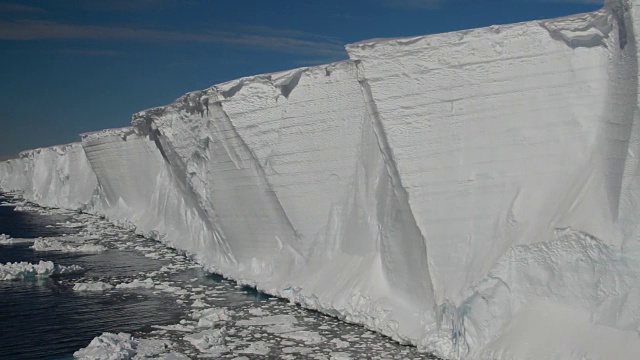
(463, 192)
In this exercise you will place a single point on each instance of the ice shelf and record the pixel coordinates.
(473, 193)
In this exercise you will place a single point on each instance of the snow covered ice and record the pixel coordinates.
(439, 189)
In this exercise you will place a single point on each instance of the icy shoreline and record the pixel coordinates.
(287, 294)
(208, 326)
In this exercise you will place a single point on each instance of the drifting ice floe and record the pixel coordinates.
(92, 286)
(66, 244)
(137, 284)
(15, 241)
(8, 240)
(109, 346)
(123, 346)
(44, 269)
(210, 342)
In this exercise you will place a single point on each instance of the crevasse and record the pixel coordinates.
(473, 193)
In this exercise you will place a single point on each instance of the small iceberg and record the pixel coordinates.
(109, 346)
(92, 286)
(44, 269)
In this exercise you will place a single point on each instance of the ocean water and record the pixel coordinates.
(47, 319)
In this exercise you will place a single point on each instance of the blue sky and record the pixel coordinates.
(72, 66)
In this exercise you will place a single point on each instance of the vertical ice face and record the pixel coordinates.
(314, 135)
(291, 172)
(503, 134)
(475, 193)
(627, 95)
(12, 175)
(58, 176)
(137, 186)
(509, 136)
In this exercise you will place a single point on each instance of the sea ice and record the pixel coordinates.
(210, 341)
(8, 240)
(209, 317)
(66, 245)
(109, 346)
(136, 284)
(92, 286)
(269, 320)
(339, 356)
(308, 337)
(258, 312)
(257, 347)
(43, 269)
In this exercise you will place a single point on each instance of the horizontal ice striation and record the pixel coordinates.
(501, 136)
(57, 176)
(12, 174)
(290, 171)
(137, 186)
(474, 193)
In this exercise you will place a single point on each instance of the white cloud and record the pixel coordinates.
(267, 38)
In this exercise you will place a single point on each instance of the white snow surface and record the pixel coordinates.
(473, 193)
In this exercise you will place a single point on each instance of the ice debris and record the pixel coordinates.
(66, 245)
(123, 346)
(92, 286)
(109, 346)
(137, 284)
(210, 341)
(43, 269)
(209, 317)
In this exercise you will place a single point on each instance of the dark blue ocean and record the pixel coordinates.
(46, 319)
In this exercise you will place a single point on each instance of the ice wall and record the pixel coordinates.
(506, 136)
(474, 193)
(136, 187)
(290, 171)
(12, 175)
(58, 176)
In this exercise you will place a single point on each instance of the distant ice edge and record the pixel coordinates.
(473, 193)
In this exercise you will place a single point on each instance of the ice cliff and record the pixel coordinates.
(474, 193)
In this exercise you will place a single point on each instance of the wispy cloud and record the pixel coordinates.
(413, 4)
(127, 5)
(19, 8)
(88, 52)
(256, 37)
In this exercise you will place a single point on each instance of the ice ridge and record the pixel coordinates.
(473, 193)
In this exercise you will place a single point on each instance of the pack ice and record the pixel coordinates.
(474, 193)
